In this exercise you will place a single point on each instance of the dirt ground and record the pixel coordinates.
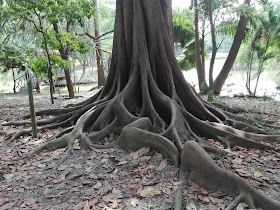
(117, 179)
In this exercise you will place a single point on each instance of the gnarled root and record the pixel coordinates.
(197, 166)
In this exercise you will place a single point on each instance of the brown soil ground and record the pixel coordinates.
(117, 179)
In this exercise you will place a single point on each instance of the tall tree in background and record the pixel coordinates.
(32, 12)
(148, 102)
(99, 57)
(200, 70)
(64, 15)
(54, 21)
(262, 37)
(239, 35)
(217, 84)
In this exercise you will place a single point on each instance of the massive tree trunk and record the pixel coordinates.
(239, 35)
(147, 100)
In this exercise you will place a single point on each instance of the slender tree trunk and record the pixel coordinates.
(99, 59)
(50, 74)
(84, 64)
(14, 78)
(64, 54)
(214, 46)
(31, 104)
(221, 78)
(92, 63)
(260, 69)
(248, 79)
(69, 83)
(203, 45)
(74, 76)
(38, 84)
(200, 72)
(48, 54)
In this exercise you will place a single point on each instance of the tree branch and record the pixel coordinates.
(7, 37)
(221, 43)
(68, 25)
(95, 38)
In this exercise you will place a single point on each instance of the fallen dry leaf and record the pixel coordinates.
(79, 205)
(241, 206)
(134, 202)
(1, 201)
(8, 206)
(191, 207)
(243, 173)
(93, 202)
(115, 203)
(8, 176)
(211, 141)
(140, 152)
(146, 192)
(98, 185)
(86, 207)
(162, 165)
(257, 174)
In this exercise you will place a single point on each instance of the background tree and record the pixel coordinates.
(148, 102)
(217, 9)
(32, 12)
(54, 21)
(64, 15)
(263, 34)
(99, 57)
(102, 41)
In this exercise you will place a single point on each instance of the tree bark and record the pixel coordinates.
(221, 78)
(99, 56)
(14, 79)
(200, 71)
(203, 45)
(214, 46)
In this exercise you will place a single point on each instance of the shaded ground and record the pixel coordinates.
(109, 179)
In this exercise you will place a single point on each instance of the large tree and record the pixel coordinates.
(148, 102)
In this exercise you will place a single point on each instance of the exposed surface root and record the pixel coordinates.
(197, 166)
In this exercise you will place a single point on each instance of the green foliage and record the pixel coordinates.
(13, 56)
(54, 11)
(262, 37)
(38, 17)
(188, 61)
(183, 27)
(210, 96)
(184, 36)
(40, 65)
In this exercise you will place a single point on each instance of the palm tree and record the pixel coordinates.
(264, 32)
(184, 37)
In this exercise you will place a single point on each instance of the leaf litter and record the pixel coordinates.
(113, 179)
